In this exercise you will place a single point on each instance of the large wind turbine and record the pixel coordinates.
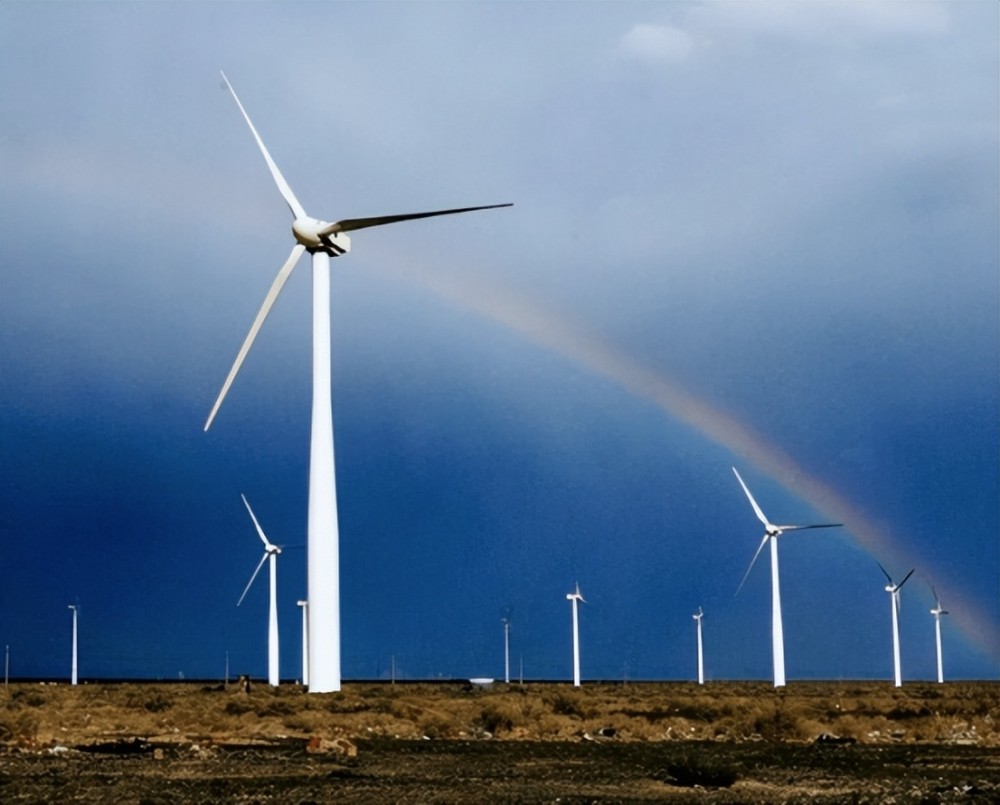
(937, 612)
(893, 589)
(771, 534)
(576, 598)
(322, 239)
(701, 664)
(271, 552)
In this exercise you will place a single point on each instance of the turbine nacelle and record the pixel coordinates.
(938, 610)
(771, 531)
(315, 235)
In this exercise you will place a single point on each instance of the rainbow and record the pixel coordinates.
(554, 332)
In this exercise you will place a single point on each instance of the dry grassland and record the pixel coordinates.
(827, 743)
(866, 712)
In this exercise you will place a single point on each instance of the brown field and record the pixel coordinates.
(544, 742)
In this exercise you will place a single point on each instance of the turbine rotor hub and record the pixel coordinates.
(308, 232)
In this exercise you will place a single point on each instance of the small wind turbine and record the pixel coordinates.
(771, 534)
(305, 642)
(937, 612)
(72, 667)
(506, 650)
(576, 598)
(323, 240)
(893, 589)
(271, 552)
(701, 665)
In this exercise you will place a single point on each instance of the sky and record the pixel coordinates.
(761, 235)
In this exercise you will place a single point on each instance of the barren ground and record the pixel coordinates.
(451, 743)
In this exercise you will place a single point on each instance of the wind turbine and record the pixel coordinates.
(576, 598)
(893, 589)
(271, 552)
(937, 612)
(701, 665)
(322, 239)
(771, 534)
(72, 667)
(305, 642)
(506, 650)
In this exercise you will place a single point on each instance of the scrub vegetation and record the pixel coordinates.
(452, 742)
(864, 712)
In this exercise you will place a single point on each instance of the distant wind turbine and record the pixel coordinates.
(893, 589)
(506, 650)
(271, 552)
(305, 642)
(322, 239)
(576, 598)
(771, 534)
(701, 664)
(937, 612)
(72, 667)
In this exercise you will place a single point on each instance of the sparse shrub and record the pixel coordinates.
(494, 718)
(157, 704)
(18, 725)
(773, 723)
(305, 721)
(901, 712)
(564, 703)
(274, 707)
(403, 710)
(29, 698)
(437, 726)
(237, 707)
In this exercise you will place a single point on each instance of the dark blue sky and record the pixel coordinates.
(753, 234)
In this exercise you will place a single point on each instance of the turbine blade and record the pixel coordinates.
(260, 531)
(802, 527)
(904, 579)
(285, 190)
(884, 571)
(756, 508)
(265, 308)
(260, 564)
(937, 598)
(350, 224)
(759, 549)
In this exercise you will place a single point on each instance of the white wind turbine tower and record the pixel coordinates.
(937, 612)
(72, 667)
(771, 534)
(893, 589)
(305, 642)
(576, 598)
(506, 650)
(322, 239)
(701, 664)
(270, 556)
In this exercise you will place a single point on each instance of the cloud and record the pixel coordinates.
(834, 21)
(657, 44)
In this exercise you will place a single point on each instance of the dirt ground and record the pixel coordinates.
(452, 743)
